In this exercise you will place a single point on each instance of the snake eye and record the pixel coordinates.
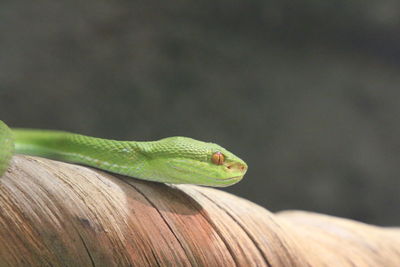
(218, 158)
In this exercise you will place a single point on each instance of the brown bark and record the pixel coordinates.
(58, 214)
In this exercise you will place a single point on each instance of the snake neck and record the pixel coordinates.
(122, 157)
(6, 147)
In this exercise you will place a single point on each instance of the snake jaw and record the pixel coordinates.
(224, 182)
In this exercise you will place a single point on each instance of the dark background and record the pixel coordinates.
(307, 92)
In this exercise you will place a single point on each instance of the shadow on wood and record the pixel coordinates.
(58, 214)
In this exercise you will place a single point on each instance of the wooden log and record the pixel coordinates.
(59, 214)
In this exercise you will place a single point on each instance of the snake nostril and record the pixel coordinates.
(237, 167)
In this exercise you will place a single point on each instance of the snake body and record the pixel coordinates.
(168, 160)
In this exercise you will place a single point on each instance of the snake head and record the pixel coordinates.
(186, 160)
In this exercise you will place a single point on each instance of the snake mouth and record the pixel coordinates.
(223, 182)
(232, 178)
(228, 181)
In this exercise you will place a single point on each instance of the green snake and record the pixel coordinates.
(177, 159)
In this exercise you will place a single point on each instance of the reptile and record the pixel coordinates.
(177, 160)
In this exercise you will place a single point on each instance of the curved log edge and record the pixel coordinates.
(59, 214)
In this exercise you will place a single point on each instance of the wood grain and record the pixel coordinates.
(59, 214)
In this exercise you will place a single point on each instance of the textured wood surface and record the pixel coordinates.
(58, 214)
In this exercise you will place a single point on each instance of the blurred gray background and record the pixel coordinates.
(307, 92)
